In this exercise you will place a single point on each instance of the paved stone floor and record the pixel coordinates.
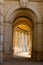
(21, 62)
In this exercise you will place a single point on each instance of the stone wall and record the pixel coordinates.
(1, 29)
(10, 7)
(7, 41)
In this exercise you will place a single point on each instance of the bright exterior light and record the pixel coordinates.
(21, 43)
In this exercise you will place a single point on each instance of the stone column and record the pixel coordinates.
(37, 42)
(8, 41)
(14, 41)
(1, 29)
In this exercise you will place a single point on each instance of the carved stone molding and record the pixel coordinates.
(23, 3)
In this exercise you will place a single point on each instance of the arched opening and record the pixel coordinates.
(22, 38)
(27, 17)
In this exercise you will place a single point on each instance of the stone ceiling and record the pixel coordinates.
(29, 0)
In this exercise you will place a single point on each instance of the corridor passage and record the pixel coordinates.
(21, 62)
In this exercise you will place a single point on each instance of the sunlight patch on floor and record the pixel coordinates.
(23, 54)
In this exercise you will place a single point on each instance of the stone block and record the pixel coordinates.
(1, 57)
(1, 48)
(1, 29)
(1, 19)
(1, 10)
(8, 38)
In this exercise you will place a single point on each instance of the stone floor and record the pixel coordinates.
(21, 62)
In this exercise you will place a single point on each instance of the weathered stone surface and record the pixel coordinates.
(1, 9)
(10, 8)
(8, 41)
(1, 29)
(28, 0)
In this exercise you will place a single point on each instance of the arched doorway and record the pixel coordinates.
(22, 38)
(35, 18)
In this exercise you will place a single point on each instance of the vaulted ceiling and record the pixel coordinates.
(23, 27)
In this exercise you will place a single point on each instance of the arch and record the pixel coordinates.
(22, 20)
(27, 23)
(33, 15)
(11, 15)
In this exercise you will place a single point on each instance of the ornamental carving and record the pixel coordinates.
(23, 3)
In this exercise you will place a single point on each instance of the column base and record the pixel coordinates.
(7, 56)
(37, 55)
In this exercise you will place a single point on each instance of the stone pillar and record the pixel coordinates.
(30, 42)
(1, 29)
(14, 41)
(8, 41)
(37, 52)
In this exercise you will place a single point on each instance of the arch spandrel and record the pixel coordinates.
(30, 12)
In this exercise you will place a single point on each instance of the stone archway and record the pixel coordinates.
(37, 26)
(21, 26)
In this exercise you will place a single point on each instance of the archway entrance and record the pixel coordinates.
(22, 15)
(22, 38)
